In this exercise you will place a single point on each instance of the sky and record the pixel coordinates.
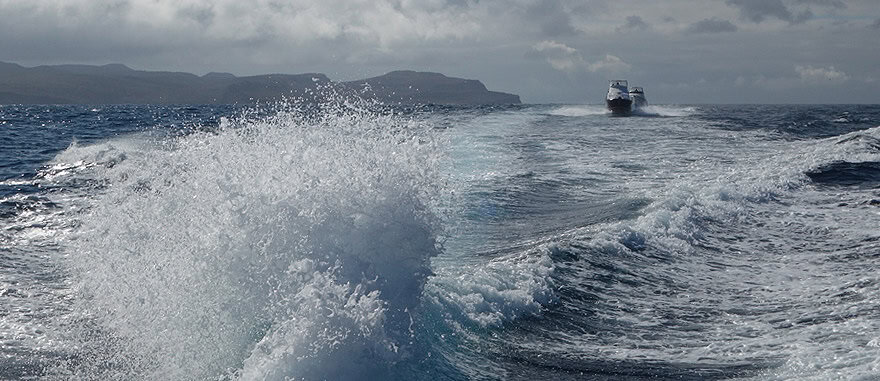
(680, 51)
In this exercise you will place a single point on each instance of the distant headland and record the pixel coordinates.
(119, 84)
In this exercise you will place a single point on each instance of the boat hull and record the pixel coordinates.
(619, 106)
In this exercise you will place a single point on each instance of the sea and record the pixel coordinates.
(349, 240)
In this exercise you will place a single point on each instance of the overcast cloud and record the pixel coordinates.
(760, 10)
(712, 25)
(727, 51)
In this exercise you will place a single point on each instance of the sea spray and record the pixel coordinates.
(733, 242)
(289, 245)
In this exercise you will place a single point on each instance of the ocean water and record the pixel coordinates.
(352, 241)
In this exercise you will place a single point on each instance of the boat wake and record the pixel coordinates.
(579, 110)
(290, 246)
(346, 241)
(664, 111)
(645, 111)
(696, 239)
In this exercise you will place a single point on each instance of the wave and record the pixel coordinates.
(670, 111)
(651, 110)
(311, 245)
(854, 162)
(848, 174)
(581, 110)
(294, 245)
(687, 261)
(705, 195)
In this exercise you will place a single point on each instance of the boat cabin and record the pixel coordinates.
(618, 83)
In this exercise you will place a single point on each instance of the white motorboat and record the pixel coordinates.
(618, 99)
(637, 94)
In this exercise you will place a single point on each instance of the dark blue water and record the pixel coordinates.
(347, 241)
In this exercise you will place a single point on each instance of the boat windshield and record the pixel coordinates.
(636, 90)
(618, 83)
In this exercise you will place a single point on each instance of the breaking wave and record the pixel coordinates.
(294, 245)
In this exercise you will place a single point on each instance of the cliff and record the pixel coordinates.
(119, 84)
(411, 87)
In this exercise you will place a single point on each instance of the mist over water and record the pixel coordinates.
(349, 240)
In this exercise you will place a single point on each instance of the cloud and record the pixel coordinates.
(202, 14)
(565, 58)
(633, 23)
(820, 74)
(759, 10)
(552, 18)
(712, 25)
(382, 22)
(560, 56)
(609, 63)
(828, 3)
(481, 39)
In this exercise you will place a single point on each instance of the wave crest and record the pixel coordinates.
(274, 247)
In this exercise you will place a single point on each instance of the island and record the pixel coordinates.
(119, 84)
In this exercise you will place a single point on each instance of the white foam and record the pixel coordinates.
(15, 182)
(671, 111)
(779, 272)
(579, 110)
(704, 191)
(650, 110)
(497, 292)
(282, 247)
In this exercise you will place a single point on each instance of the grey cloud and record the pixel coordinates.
(803, 17)
(633, 23)
(569, 50)
(588, 8)
(553, 19)
(204, 15)
(117, 7)
(712, 25)
(759, 10)
(828, 3)
(458, 3)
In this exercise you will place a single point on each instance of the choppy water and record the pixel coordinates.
(354, 242)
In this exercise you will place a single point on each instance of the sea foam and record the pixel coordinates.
(293, 245)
